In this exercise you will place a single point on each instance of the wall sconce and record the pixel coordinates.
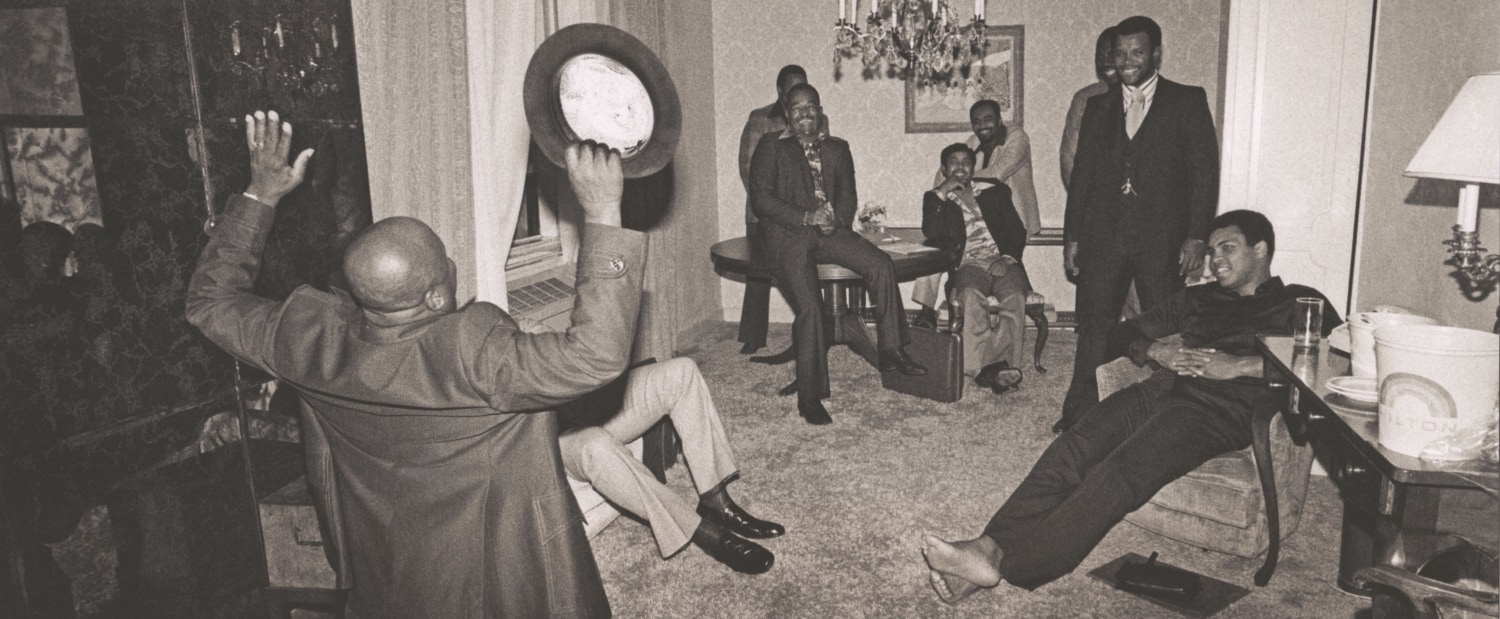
(1465, 147)
(297, 52)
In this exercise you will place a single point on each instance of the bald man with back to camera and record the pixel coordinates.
(431, 448)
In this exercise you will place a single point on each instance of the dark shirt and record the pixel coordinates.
(1211, 316)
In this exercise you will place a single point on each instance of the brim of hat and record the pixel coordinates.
(540, 96)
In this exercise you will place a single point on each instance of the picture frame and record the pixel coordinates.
(944, 107)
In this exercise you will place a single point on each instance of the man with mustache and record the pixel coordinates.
(1144, 188)
(1002, 155)
(802, 189)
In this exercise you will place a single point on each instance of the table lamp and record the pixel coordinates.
(1465, 147)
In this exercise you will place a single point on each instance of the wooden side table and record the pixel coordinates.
(1398, 510)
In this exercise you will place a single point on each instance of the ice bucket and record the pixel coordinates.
(1435, 382)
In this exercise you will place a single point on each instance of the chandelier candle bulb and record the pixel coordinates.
(841, 11)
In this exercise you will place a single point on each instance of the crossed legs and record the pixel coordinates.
(598, 455)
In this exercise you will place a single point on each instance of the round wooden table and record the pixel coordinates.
(843, 290)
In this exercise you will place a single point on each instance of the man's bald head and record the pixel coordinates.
(395, 264)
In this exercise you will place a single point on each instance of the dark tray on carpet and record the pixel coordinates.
(1216, 595)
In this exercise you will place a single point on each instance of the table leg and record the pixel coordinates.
(847, 327)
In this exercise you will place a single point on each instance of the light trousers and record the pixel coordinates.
(598, 455)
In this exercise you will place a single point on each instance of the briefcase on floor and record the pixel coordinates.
(942, 354)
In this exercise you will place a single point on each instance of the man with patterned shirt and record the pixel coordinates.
(980, 222)
(802, 189)
(770, 119)
(1002, 155)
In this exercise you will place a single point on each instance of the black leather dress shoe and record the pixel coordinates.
(740, 554)
(897, 360)
(814, 413)
(734, 518)
(926, 318)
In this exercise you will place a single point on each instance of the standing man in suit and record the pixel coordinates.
(771, 119)
(1143, 192)
(802, 189)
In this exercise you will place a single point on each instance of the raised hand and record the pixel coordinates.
(598, 182)
(269, 140)
(1190, 257)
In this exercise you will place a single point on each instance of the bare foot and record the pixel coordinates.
(958, 569)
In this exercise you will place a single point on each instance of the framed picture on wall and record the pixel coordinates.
(944, 107)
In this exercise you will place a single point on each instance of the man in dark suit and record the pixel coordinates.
(755, 310)
(802, 189)
(1143, 192)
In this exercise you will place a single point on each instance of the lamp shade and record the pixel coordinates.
(1465, 144)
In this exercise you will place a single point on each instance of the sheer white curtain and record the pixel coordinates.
(445, 131)
(501, 39)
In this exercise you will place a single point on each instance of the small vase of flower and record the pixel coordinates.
(872, 221)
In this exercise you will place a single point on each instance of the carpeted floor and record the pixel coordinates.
(857, 495)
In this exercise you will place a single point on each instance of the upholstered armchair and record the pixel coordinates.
(1222, 505)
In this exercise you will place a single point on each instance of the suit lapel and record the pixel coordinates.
(799, 163)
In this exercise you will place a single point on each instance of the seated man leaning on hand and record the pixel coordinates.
(597, 454)
(981, 225)
(1198, 405)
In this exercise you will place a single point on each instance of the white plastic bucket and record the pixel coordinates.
(1362, 327)
(1435, 382)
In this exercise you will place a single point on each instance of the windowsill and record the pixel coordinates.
(532, 255)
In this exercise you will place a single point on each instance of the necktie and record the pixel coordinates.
(1135, 112)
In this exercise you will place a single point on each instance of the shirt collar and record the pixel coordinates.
(1269, 286)
(789, 134)
(1147, 89)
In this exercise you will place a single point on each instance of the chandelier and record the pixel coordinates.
(289, 52)
(919, 40)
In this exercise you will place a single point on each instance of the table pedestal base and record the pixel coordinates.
(842, 324)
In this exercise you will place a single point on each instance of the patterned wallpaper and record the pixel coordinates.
(37, 76)
(54, 175)
(752, 40)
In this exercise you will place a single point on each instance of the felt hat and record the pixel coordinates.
(592, 81)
